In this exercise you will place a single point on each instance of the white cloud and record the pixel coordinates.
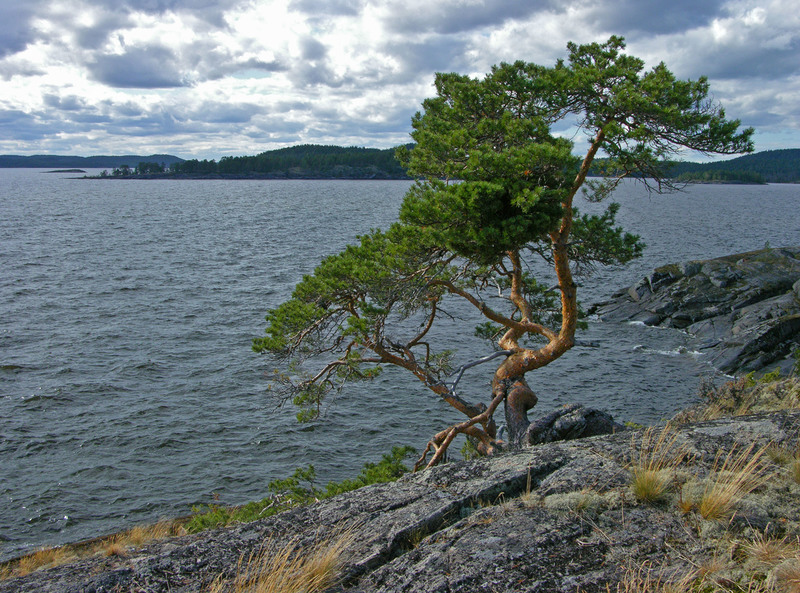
(215, 77)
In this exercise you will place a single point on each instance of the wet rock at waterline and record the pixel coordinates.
(742, 310)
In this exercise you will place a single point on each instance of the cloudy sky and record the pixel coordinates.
(208, 78)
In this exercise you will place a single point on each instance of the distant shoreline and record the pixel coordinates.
(248, 177)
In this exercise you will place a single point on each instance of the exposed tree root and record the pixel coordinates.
(483, 434)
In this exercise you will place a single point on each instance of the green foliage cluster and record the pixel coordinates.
(143, 168)
(306, 160)
(297, 490)
(195, 167)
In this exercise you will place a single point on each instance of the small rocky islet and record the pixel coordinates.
(568, 515)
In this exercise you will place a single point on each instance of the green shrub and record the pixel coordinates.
(297, 490)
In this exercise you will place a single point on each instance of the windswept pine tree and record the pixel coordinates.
(495, 190)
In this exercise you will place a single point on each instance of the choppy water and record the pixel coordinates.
(128, 390)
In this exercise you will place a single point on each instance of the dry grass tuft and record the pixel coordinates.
(114, 545)
(745, 395)
(290, 568)
(44, 558)
(659, 455)
(644, 579)
(786, 577)
(770, 552)
(794, 470)
(739, 474)
(144, 534)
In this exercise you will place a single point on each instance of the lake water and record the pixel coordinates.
(128, 389)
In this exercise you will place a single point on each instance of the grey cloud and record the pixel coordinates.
(327, 7)
(92, 118)
(210, 11)
(750, 60)
(225, 113)
(456, 17)
(148, 67)
(7, 71)
(253, 64)
(308, 74)
(638, 17)
(128, 109)
(311, 49)
(284, 106)
(15, 30)
(20, 126)
(426, 57)
(69, 103)
(268, 127)
(96, 35)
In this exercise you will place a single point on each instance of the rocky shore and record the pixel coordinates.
(743, 310)
(556, 517)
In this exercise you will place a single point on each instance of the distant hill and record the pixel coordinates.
(44, 161)
(769, 166)
(307, 161)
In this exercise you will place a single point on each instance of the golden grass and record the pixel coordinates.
(739, 474)
(44, 558)
(643, 579)
(144, 534)
(745, 395)
(115, 545)
(786, 577)
(114, 548)
(769, 552)
(290, 568)
(794, 470)
(652, 472)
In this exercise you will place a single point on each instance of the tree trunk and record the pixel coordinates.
(519, 399)
(509, 381)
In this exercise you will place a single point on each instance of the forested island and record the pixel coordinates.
(307, 161)
(310, 161)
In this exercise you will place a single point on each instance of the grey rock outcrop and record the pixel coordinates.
(568, 422)
(742, 310)
(552, 518)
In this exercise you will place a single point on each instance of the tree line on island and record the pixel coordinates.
(306, 161)
(310, 161)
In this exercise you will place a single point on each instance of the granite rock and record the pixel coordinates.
(555, 517)
(743, 310)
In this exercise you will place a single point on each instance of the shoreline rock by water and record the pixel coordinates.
(743, 310)
(556, 517)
